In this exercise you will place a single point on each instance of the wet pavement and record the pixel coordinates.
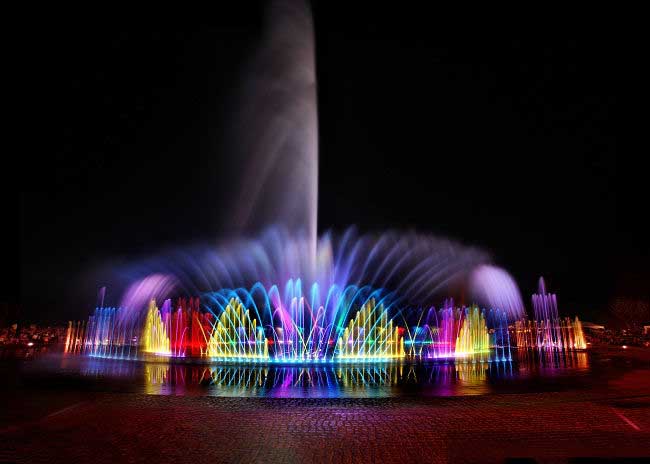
(601, 411)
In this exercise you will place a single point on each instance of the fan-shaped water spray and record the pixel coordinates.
(454, 332)
(284, 294)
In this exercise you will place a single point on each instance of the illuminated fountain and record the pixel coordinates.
(74, 337)
(127, 334)
(109, 335)
(465, 333)
(292, 324)
(252, 325)
(178, 333)
(473, 338)
(295, 324)
(370, 335)
(155, 337)
(579, 341)
(237, 336)
(549, 331)
(283, 294)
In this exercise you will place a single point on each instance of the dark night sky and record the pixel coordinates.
(503, 142)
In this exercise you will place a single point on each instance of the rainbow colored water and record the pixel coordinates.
(298, 325)
(249, 325)
(461, 333)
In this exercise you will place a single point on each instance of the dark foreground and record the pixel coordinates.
(50, 425)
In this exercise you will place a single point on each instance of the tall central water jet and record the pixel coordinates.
(282, 292)
(277, 132)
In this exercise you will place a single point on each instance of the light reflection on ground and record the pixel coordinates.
(528, 373)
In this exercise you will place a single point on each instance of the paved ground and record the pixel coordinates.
(144, 428)
(46, 424)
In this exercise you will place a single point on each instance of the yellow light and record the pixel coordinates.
(154, 334)
(371, 335)
(473, 337)
(237, 335)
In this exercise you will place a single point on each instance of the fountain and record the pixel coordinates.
(371, 336)
(292, 324)
(549, 331)
(74, 337)
(155, 335)
(473, 338)
(237, 336)
(278, 292)
(250, 325)
(465, 333)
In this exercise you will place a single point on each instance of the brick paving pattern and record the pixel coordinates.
(127, 427)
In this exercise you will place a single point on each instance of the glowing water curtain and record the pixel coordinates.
(294, 324)
(549, 331)
(154, 336)
(250, 325)
(74, 337)
(109, 335)
(237, 336)
(473, 338)
(370, 335)
(464, 333)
